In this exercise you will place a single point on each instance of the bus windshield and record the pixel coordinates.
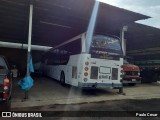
(105, 45)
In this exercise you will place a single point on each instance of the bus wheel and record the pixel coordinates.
(120, 90)
(62, 78)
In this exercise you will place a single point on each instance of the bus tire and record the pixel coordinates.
(120, 90)
(62, 79)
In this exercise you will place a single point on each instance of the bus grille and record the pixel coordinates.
(114, 73)
(94, 72)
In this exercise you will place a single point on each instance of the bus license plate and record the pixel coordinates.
(133, 79)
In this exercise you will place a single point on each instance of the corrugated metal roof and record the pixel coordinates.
(55, 21)
(143, 42)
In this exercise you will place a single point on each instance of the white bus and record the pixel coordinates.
(100, 68)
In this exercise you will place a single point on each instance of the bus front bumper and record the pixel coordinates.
(100, 85)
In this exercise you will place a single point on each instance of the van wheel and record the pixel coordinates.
(62, 78)
(131, 84)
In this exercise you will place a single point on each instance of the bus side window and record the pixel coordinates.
(64, 59)
(74, 47)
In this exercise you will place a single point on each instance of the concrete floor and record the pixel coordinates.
(47, 91)
(101, 110)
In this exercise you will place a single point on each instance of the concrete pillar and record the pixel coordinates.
(29, 44)
(91, 26)
(123, 40)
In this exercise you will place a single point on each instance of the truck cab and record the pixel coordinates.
(131, 74)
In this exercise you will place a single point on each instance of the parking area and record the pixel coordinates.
(78, 41)
(47, 91)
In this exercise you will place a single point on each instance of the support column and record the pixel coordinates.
(123, 40)
(29, 44)
(91, 26)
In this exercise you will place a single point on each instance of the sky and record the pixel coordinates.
(147, 7)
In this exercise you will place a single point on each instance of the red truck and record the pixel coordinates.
(131, 74)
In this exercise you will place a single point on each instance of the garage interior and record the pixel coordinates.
(55, 22)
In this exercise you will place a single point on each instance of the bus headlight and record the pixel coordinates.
(85, 74)
(87, 63)
(86, 68)
(85, 79)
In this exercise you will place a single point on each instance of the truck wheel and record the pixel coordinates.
(131, 84)
(62, 78)
(7, 105)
